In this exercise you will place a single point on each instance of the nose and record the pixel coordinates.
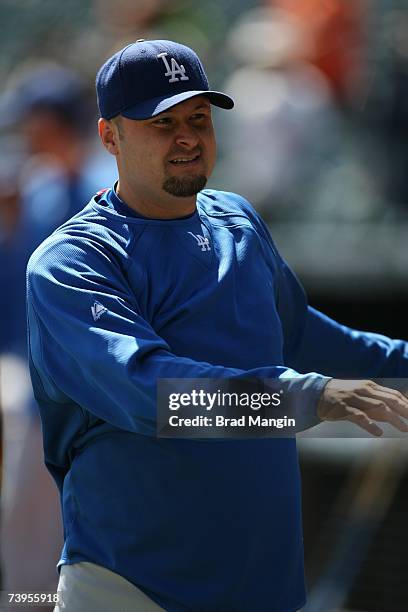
(186, 137)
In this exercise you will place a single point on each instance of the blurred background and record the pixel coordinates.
(318, 142)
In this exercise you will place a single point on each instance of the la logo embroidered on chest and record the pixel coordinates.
(202, 241)
(174, 69)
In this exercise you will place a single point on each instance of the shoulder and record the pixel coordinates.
(218, 202)
(83, 236)
(82, 248)
(233, 206)
(228, 204)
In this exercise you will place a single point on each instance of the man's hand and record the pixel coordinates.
(362, 402)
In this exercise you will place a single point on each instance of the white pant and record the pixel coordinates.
(86, 587)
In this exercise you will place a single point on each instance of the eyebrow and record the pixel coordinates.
(200, 105)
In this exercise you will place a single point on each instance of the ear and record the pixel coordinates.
(109, 135)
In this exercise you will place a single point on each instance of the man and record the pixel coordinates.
(159, 278)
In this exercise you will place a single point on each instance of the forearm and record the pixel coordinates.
(336, 350)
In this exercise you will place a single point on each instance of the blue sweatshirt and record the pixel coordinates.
(117, 301)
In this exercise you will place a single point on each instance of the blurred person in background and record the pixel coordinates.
(10, 209)
(49, 110)
(291, 126)
(285, 123)
(114, 23)
(336, 33)
(387, 112)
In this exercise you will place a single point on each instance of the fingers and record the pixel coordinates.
(394, 399)
(362, 420)
(386, 405)
(362, 402)
(382, 410)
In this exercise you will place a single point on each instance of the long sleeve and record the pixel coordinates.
(337, 350)
(315, 342)
(109, 366)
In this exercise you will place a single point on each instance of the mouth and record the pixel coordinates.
(185, 161)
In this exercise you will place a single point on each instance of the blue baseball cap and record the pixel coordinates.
(150, 76)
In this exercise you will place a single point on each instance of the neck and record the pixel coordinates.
(169, 207)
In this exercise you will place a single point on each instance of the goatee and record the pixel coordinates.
(186, 186)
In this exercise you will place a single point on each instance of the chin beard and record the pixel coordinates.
(185, 187)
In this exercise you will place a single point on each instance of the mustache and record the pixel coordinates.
(183, 152)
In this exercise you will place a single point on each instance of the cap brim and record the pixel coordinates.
(151, 108)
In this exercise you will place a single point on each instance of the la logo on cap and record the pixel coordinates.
(173, 70)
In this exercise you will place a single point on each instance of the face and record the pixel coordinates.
(43, 131)
(165, 159)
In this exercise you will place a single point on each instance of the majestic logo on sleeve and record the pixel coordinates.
(174, 69)
(98, 310)
(202, 241)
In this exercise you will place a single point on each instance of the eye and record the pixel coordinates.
(162, 121)
(199, 116)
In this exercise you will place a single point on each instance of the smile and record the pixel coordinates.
(178, 161)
